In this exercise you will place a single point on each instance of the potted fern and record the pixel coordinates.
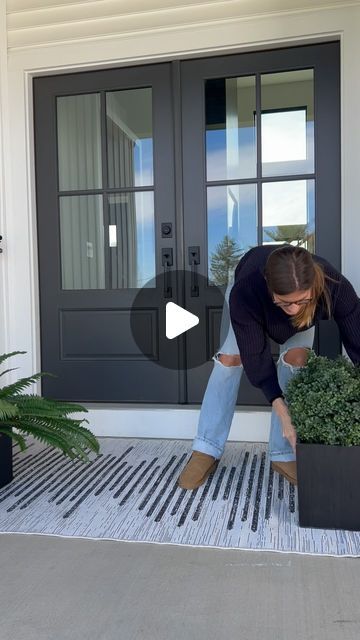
(47, 420)
(324, 404)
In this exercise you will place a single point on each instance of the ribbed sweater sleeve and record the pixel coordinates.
(347, 316)
(253, 345)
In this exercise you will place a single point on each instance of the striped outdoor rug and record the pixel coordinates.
(129, 492)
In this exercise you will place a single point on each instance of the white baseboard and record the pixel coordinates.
(249, 425)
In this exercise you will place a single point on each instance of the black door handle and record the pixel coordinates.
(167, 262)
(194, 261)
(0, 247)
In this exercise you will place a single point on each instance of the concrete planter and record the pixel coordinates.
(6, 460)
(328, 486)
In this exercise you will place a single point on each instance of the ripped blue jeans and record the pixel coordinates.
(218, 406)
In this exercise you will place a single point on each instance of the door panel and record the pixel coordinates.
(256, 150)
(105, 183)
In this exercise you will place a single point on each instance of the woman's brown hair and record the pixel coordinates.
(289, 269)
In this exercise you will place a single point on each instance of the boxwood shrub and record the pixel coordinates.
(324, 401)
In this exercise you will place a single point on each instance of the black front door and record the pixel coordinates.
(105, 182)
(179, 167)
(261, 158)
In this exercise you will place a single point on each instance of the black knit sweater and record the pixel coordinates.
(255, 317)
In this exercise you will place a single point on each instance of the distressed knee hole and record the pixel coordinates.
(229, 360)
(297, 356)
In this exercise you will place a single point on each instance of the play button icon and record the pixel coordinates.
(178, 320)
(175, 321)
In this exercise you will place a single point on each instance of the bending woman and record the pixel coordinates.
(278, 293)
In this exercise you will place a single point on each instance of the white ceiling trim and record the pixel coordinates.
(70, 28)
(18, 10)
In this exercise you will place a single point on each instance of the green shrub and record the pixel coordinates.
(324, 401)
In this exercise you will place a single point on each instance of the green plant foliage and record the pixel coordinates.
(47, 420)
(224, 260)
(324, 401)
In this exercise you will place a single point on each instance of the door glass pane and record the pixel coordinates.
(79, 142)
(129, 138)
(289, 213)
(132, 240)
(230, 105)
(287, 122)
(232, 228)
(82, 242)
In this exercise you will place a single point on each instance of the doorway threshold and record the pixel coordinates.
(250, 424)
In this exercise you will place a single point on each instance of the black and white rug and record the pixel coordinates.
(129, 492)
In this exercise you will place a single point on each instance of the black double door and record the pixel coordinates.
(177, 169)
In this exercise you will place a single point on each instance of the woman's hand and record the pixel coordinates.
(288, 429)
(289, 432)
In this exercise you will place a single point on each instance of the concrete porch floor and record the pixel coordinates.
(69, 589)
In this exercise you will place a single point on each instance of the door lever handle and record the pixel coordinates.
(194, 261)
(167, 262)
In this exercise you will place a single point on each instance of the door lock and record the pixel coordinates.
(166, 230)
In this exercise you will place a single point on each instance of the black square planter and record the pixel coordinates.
(328, 486)
(6, 460)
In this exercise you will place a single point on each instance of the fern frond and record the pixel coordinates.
(20, 385)
(52, 438)
(72, 428)
(46, 436)
(61, 407)
(6, 356)
(7, 410)
(67, 408)
(73, 440)
(3, 373)
(40, 414)
(32, 403)
(15, 436)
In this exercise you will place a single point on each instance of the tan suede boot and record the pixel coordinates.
(286, 469)
(197, 470)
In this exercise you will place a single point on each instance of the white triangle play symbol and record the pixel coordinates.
(178, 320)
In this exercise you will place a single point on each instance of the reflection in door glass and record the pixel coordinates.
(289, 213)
(287, 122)
(82, 242)
(129, 138)
(79, 142)
(232, 228)
(132, 240)
(230, 105)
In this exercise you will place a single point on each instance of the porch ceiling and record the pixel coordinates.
(34, 22)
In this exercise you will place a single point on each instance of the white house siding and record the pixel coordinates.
(52, 36)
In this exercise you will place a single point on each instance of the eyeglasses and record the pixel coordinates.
(299, 303)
